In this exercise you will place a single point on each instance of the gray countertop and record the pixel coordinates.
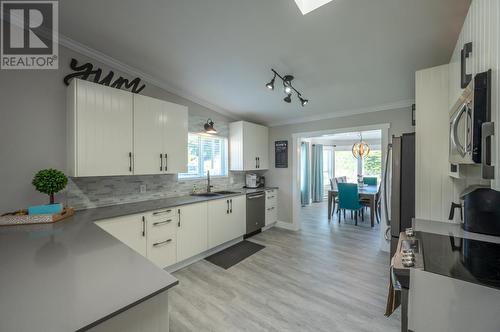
(71, 275)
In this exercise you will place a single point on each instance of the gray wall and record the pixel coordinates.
(399, 120)
(33, 126)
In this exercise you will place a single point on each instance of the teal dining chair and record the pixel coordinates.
(349, 200)
(370, 181)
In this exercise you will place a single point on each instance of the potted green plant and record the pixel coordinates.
(50, 181)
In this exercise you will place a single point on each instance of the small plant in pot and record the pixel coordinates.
(50, 181)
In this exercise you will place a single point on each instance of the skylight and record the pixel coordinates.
(307, 6)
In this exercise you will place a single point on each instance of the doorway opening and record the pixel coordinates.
(323, 159)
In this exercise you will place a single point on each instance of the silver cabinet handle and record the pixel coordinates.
(162, 212)
(159, 223)
(161, 162)
(487, 170)
(179, 219)
(227, 211)
(271, 208)
(269, 197)
(231, 208)
(158, 244)
(130, 161)
(166, 162)
(143, 226)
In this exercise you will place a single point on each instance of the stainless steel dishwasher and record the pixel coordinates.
(256, 212)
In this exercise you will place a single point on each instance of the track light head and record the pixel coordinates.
(287, 89)
(270, 85)
(288, 98)
(303, 101)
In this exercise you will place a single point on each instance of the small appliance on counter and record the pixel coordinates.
(481, 210)
(254, 181)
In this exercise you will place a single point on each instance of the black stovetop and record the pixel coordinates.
(465, 259)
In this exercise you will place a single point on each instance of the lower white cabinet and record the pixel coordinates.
(226, 220)
(192, 230)
(271, 206)
(130, 230)
(172, 235)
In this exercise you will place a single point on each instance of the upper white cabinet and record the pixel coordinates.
(114, 132)
(249, 146)
(226, 220)
(160, 136)
(100, 130)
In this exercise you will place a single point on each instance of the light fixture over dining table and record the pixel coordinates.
(360, 149)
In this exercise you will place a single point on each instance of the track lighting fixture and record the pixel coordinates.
(270, 85)
(288, 89)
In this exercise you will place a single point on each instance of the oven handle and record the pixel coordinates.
(487, 170)
(454, 128)
(254, 197)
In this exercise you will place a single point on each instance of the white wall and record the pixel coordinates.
(33, 130)
(399, 120)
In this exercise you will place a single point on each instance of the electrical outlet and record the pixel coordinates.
(142, 188)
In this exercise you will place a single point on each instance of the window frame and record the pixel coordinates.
(225, 157)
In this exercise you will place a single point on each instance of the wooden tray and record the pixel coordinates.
(25, 219)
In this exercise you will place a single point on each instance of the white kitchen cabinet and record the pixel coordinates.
(192, 230)
(160, 136)
(99, 130)
(226, 220)
(248, 145)
(271, 206)
(131, 230)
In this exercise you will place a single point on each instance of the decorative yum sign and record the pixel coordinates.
(86, 70)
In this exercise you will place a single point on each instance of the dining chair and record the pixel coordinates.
(349, 200)
(370, 181)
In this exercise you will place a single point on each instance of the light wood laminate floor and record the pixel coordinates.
(326, 277)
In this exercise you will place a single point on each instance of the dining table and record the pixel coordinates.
(368, 192)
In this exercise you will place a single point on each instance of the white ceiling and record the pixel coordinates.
(348, 56)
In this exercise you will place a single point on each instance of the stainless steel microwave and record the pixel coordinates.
(470, 126)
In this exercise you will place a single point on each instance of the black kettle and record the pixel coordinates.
(481, 210)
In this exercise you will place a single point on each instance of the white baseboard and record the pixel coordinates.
(287, 225)
(203, 255)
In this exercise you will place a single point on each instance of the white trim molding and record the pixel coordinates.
(123, 67)
(342, 113)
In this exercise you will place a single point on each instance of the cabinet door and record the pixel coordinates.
(250, 146)
(148, 135)
(104, 130)
(218, 216)
(175, 138)
(236, 223)
(192, 230)
(262, 147)
(130, 230)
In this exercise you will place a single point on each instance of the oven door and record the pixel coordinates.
(461, 131)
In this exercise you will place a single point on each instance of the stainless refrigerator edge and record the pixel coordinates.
(402, 186)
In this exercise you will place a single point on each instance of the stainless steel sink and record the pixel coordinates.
(225, 192)
(216, 193)
(206, 194)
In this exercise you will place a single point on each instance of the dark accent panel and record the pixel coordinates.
(281, 154)
(407, 180)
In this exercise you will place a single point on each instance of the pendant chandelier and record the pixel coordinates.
(360, 149)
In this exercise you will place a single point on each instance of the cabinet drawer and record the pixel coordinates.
(163, 214)
(162, 227)
(162, 250)
(271, 215)
(271, 198)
